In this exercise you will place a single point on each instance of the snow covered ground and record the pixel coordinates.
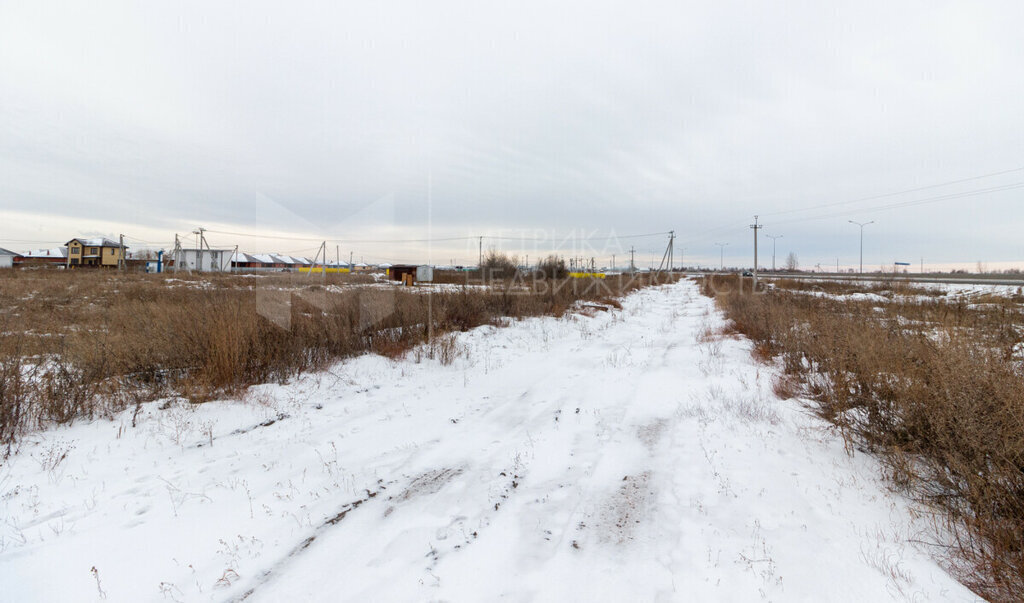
(619, 456)
(936, 292)
(958, 290)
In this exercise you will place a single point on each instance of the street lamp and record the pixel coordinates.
(721, 254)
(862, 225)
(773, 237)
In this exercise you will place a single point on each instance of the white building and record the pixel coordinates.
(202, 260)
(7, 258)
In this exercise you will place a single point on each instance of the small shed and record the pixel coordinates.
(402, 272)
(411, 273)
(7, 258)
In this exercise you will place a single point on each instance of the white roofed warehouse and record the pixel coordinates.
(57, 256)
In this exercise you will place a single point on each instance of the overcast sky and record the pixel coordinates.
(409, 120)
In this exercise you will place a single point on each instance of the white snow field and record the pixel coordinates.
(614, 457)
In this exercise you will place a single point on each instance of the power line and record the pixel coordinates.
(586, 238)
(884, 207)
(443, 239)
(896, 193)
(149, 242)
(703, 233)
(30, 241)
(911, 203)
(321, 239)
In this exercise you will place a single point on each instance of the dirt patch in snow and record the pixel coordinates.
(626, 509)
(430, 482)
(651, 433)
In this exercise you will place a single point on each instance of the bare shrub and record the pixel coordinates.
(15, 392)
(445, 348)
(499, 265)
(553, 267)
(786, 387)
(762, 352)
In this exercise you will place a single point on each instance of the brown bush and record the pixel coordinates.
(500, 265)
(553, 266)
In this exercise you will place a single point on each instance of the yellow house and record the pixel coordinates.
(93, 252)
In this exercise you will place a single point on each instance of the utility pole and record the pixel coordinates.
(480, 262)
(756, 227)
(613, 261)
(350, 261)
(179, 253)
(321, 254)
(671, 248)
(202, 240)
(122, 262)
(773, 238)
(667, 259)
(721, 255)
(632, 259)
(862, 225)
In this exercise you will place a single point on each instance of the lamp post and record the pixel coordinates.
(721, 254)
(773, 237)
(862, 225)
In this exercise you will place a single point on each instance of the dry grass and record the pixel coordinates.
(87, 343)
(935, 388)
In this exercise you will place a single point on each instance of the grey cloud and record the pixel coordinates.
(329, 120)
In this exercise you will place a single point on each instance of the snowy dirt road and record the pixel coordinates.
(623, 455)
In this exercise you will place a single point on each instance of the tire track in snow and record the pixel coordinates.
(534, 414)
(640, 481)
(268, 574)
